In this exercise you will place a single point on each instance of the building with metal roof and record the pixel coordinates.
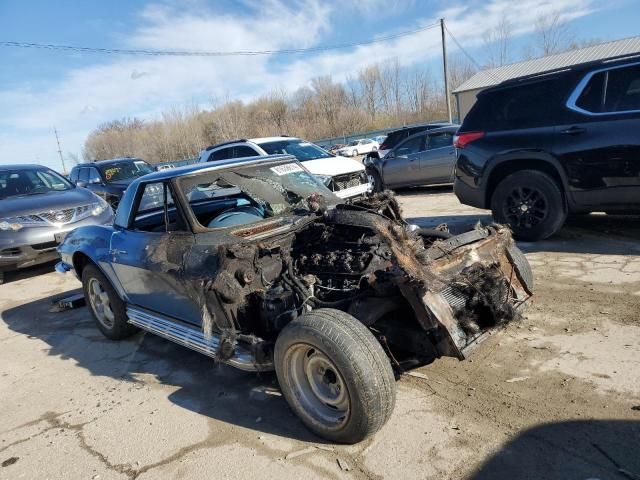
(466, 92)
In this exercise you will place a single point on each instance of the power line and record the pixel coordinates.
(183, 53)
(468, 55)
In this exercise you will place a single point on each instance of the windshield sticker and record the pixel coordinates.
(109, 173)
(286, 169)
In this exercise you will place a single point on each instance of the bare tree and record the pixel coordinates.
(497, 41)
(552, 34)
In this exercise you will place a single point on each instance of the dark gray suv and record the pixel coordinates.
(38, 207)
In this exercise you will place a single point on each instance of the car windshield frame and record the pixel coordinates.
(109, 176)
(282, 189)
(308, 152)
(38, 189)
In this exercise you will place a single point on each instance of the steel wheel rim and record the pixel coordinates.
(372, 181)
(318, 386)
(526, 207)
(100, 303)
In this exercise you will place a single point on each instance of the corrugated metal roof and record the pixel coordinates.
(494, 76)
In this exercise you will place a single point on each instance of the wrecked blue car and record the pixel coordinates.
(255, 263)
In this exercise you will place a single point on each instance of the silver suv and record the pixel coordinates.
(38, 207)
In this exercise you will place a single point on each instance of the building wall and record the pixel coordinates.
(465, 101)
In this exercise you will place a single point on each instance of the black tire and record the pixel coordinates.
(378, 186)
(117, 329)
(1, 278)
(537, 192)
(361, 365)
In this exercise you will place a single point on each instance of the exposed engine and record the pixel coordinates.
(422, 299)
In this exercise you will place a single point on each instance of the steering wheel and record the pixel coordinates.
(237, 216)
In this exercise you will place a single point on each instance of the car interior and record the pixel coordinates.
(213, 207)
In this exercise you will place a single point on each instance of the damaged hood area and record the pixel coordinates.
(468, 284)
(423, 295)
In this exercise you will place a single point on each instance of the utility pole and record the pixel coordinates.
(446, 72)
(64, 169)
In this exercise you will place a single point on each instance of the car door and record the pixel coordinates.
(599, 145)
(147, 256)
(401, 166)
(439, 158)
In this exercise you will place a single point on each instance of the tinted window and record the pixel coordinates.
(242, 151)
(440, 140)
(73, 176)
(411, 146)
(394, 138)
(592, 97)
(529, 105)
(222, 154)
(83, 176)
(623, 89)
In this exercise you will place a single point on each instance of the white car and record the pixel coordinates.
(344, 176)
(359, 147)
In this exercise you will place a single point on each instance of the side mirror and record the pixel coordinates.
(95, 181)
(81, 184)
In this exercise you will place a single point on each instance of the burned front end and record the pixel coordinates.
(421, 295)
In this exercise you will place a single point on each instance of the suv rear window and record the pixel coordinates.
(529, 105)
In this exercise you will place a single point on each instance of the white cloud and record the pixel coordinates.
(136, 86)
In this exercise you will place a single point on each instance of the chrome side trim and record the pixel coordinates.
(194, 339)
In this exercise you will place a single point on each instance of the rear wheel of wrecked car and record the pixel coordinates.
(107, 308)
(531, 203)
(335, 375)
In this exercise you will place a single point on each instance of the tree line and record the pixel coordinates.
(382, 95)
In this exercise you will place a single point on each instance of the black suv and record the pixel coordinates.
(109, 178)
(537, 148)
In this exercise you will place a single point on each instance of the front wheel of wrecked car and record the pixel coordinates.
(107, 308)
(335, 375)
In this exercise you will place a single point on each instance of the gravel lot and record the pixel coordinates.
(556, 396)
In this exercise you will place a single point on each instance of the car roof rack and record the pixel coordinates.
(575, 67)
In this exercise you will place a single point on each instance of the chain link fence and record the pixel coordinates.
(345, 139)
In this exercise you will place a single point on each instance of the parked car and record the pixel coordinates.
(359, 147)
(426, 158)
(343, 176)
(109, 178)
(396, 136)
(38, 207)
(166, 166)
(333, 149)
(538, 148)
(269, 270)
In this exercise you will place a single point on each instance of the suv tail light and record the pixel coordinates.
(461, 140)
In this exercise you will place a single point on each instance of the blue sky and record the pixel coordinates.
(74, 92)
